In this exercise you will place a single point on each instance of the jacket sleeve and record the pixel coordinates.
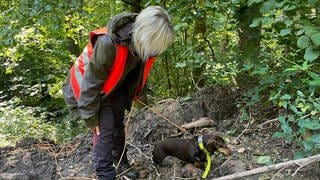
(96, 73)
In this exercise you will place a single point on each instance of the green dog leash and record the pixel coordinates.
(208, 156)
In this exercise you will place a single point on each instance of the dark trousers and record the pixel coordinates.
(109, 144)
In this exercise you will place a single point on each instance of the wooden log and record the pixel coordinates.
(202, 122)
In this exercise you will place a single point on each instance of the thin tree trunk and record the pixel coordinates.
(249, 43)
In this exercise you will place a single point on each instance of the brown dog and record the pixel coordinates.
(188, 149)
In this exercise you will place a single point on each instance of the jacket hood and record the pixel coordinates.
(119, 27)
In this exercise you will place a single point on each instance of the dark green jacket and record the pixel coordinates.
(102, 59)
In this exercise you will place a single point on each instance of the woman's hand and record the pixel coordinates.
(96, 131)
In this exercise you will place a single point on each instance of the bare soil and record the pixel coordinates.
(249, 140)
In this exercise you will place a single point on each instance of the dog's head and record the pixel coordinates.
(213, 143)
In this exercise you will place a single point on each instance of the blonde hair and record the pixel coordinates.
(152, 32)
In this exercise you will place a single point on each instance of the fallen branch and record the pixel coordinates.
(202, 122)
(260, 126)
(300, 162)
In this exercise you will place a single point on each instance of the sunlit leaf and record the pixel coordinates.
(181, 65)
(250, 2)
(268, 6)
(309, 124)
(285, 32)
(315, 138)
(315, 38)
(303, 42)
(314, 75)
(286, 97)
(256, 22)
(311, 54)
(308, 145)
(263, 159)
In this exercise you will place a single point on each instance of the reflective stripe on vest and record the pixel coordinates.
(78, 69)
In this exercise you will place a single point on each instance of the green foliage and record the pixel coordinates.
(289, 75)
(39, 40)
(17, 122)
(20, 122)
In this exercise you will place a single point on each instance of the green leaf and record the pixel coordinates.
(181, 65)
(48, 8)
(278, 135)
(316, 105)
(267, 22)
(309, 124)
(312, 2)
(293, 68)
(315, 82)
(301, 154)
(300, 93)
(285, 32)
(284, 104)
(247, 66)
(209, 4)
(305, 66)
(311, 54)
(264, 159)
(314, 75)
(256, 22)
(315, 38)
(250, 2)
(260, 70)
(308, 145)
(286, 97)
(282, 119)
(288, 23)
(294, 109)
(298, 33)
(310, 30)
(268, 6)
(315, 138)
(303, 42)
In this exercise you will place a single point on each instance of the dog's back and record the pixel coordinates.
(184, 149)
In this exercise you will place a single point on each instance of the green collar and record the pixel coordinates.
(208, 164)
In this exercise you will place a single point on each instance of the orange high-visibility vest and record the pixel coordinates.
(78, 69)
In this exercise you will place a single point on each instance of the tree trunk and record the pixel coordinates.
(200, 28)
(249, 37)
(249, 43)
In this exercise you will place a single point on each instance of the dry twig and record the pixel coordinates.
(138, 149)
(260, 126)
(125, 171)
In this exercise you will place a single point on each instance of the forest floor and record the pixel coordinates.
(251, 142)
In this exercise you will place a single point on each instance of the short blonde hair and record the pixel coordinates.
(152, 32)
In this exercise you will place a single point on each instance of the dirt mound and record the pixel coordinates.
(42, 159)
